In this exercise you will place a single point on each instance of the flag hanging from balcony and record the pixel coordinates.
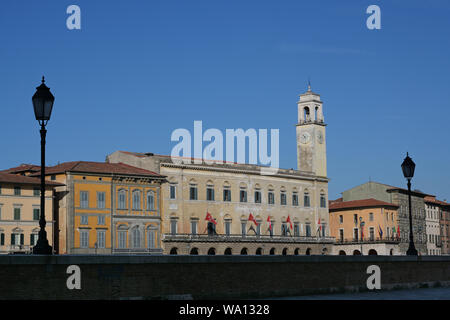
(380, 232)
(319, 228)
(289, 220)
(270, 223)
(398, 232)
(251, 218)
(210, 218)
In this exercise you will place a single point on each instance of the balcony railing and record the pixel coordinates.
(240, 238)
(368, 240)
(19, 248)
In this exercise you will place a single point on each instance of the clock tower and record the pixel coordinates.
(311, 146)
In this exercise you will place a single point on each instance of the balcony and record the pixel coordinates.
(19, 249)
(246, 238)
(364, 241)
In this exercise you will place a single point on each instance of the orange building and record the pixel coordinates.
(366, 226)
(106, 208)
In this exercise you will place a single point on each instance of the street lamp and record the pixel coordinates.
(43, 104)
(408, 167)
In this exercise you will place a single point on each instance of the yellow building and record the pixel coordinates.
(106, 208)
(365, 226)
(20, 212)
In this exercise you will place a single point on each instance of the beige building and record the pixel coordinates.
(20, 212)
(433, 228)
(292, 202)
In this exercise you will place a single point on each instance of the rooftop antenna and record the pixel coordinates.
(309, 83)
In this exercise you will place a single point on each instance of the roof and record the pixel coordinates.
(432, 199)
(22, 168)
(19, 179)
(365, 203)
(98, 167)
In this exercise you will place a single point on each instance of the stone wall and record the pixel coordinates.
(209, 277)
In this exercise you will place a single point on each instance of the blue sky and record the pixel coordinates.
(137, 70)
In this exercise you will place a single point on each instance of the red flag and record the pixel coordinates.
(251, 218)
(398, 232)
(289, 220)
(270, 222)
(210, 218)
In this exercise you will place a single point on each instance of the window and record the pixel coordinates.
(371, 216)
(323, 201)
(355, 218)
(33, 239)
(101, 220)
(36, 213)
(2, 239)
(341, 218)
(243, 227)
(173, 191)
(151, 236)
(324, 229)
(36, 191)
(16, 213)
(211, 229)
(306, 199)
(53, 177)
(101, 238)
(296, 229)
(271, 197)
(84, 239)
(295, 199)
(284, 229)
(372, 233)
(210, 193)
(100, 200)
(84, 199)
(136, 238)
(122, 199)
(243, 195)
(17, 191)
(193, 192)
(227, 227)
(194, 227)
(173, 227)
(136, 200)
(308, 230)
(257, 196)
(122, 235)
(283, 198)
(17, 238)
(258, 228)
(355, 234)
(341, 235)
(84, 219)
(226, 194)
(151, 200)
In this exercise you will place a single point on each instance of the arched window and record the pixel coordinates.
(259, 251)
(356, 253)
(227, 251)
(296, 251)
(308, 251)
(284, 253)
(306, 114)
(174, 251)
(342, 253)
(136, 200)
(373, 252)
(212, 251)
(272, 251)
(194, 251)
(136, 238)
(244, 251)
(151, 200)
(151, 238)
(316, 114)
(122, 199)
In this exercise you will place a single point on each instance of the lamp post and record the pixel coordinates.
(408, 167)
(43, 104)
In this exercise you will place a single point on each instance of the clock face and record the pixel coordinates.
(320, 137)
(305, 137)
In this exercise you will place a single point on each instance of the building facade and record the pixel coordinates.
(289, 208)
(399, 197)
(364, 227)
(107, 208)
(433, 227)
(444, 222)
(20, 212)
